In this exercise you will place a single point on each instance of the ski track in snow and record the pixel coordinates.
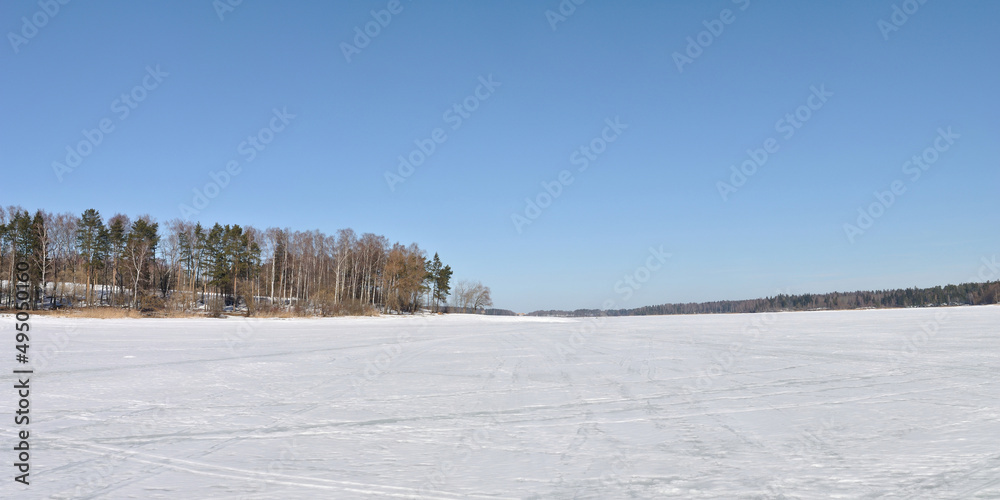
(884, 404)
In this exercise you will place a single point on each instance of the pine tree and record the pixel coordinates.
(117, 238)
(216, 264)
(141, 250)
(39, 256)
(431, 277)
(442, 285)
(25, 244)
(5, 295)
(186, 253)
(199, 246)
(88, 241)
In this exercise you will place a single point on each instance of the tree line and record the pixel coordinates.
(950, 295)
(87, 261)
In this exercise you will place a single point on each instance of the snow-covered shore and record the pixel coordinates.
(846, 404)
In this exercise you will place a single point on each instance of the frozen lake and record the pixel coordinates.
(862, 404)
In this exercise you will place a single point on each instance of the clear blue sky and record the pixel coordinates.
(655, 185)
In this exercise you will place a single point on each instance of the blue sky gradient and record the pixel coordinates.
(889, 92)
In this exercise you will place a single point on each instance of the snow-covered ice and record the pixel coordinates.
(852, 404)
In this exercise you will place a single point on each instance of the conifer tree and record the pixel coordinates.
(442, 285)
(90, 246)
(141, 250)
(39, 254)
(431, 277)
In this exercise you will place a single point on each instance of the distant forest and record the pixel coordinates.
(136, 264)
(951, 295)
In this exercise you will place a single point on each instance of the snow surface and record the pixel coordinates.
(861, 404)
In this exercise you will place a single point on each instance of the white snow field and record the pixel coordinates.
(856, 404)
